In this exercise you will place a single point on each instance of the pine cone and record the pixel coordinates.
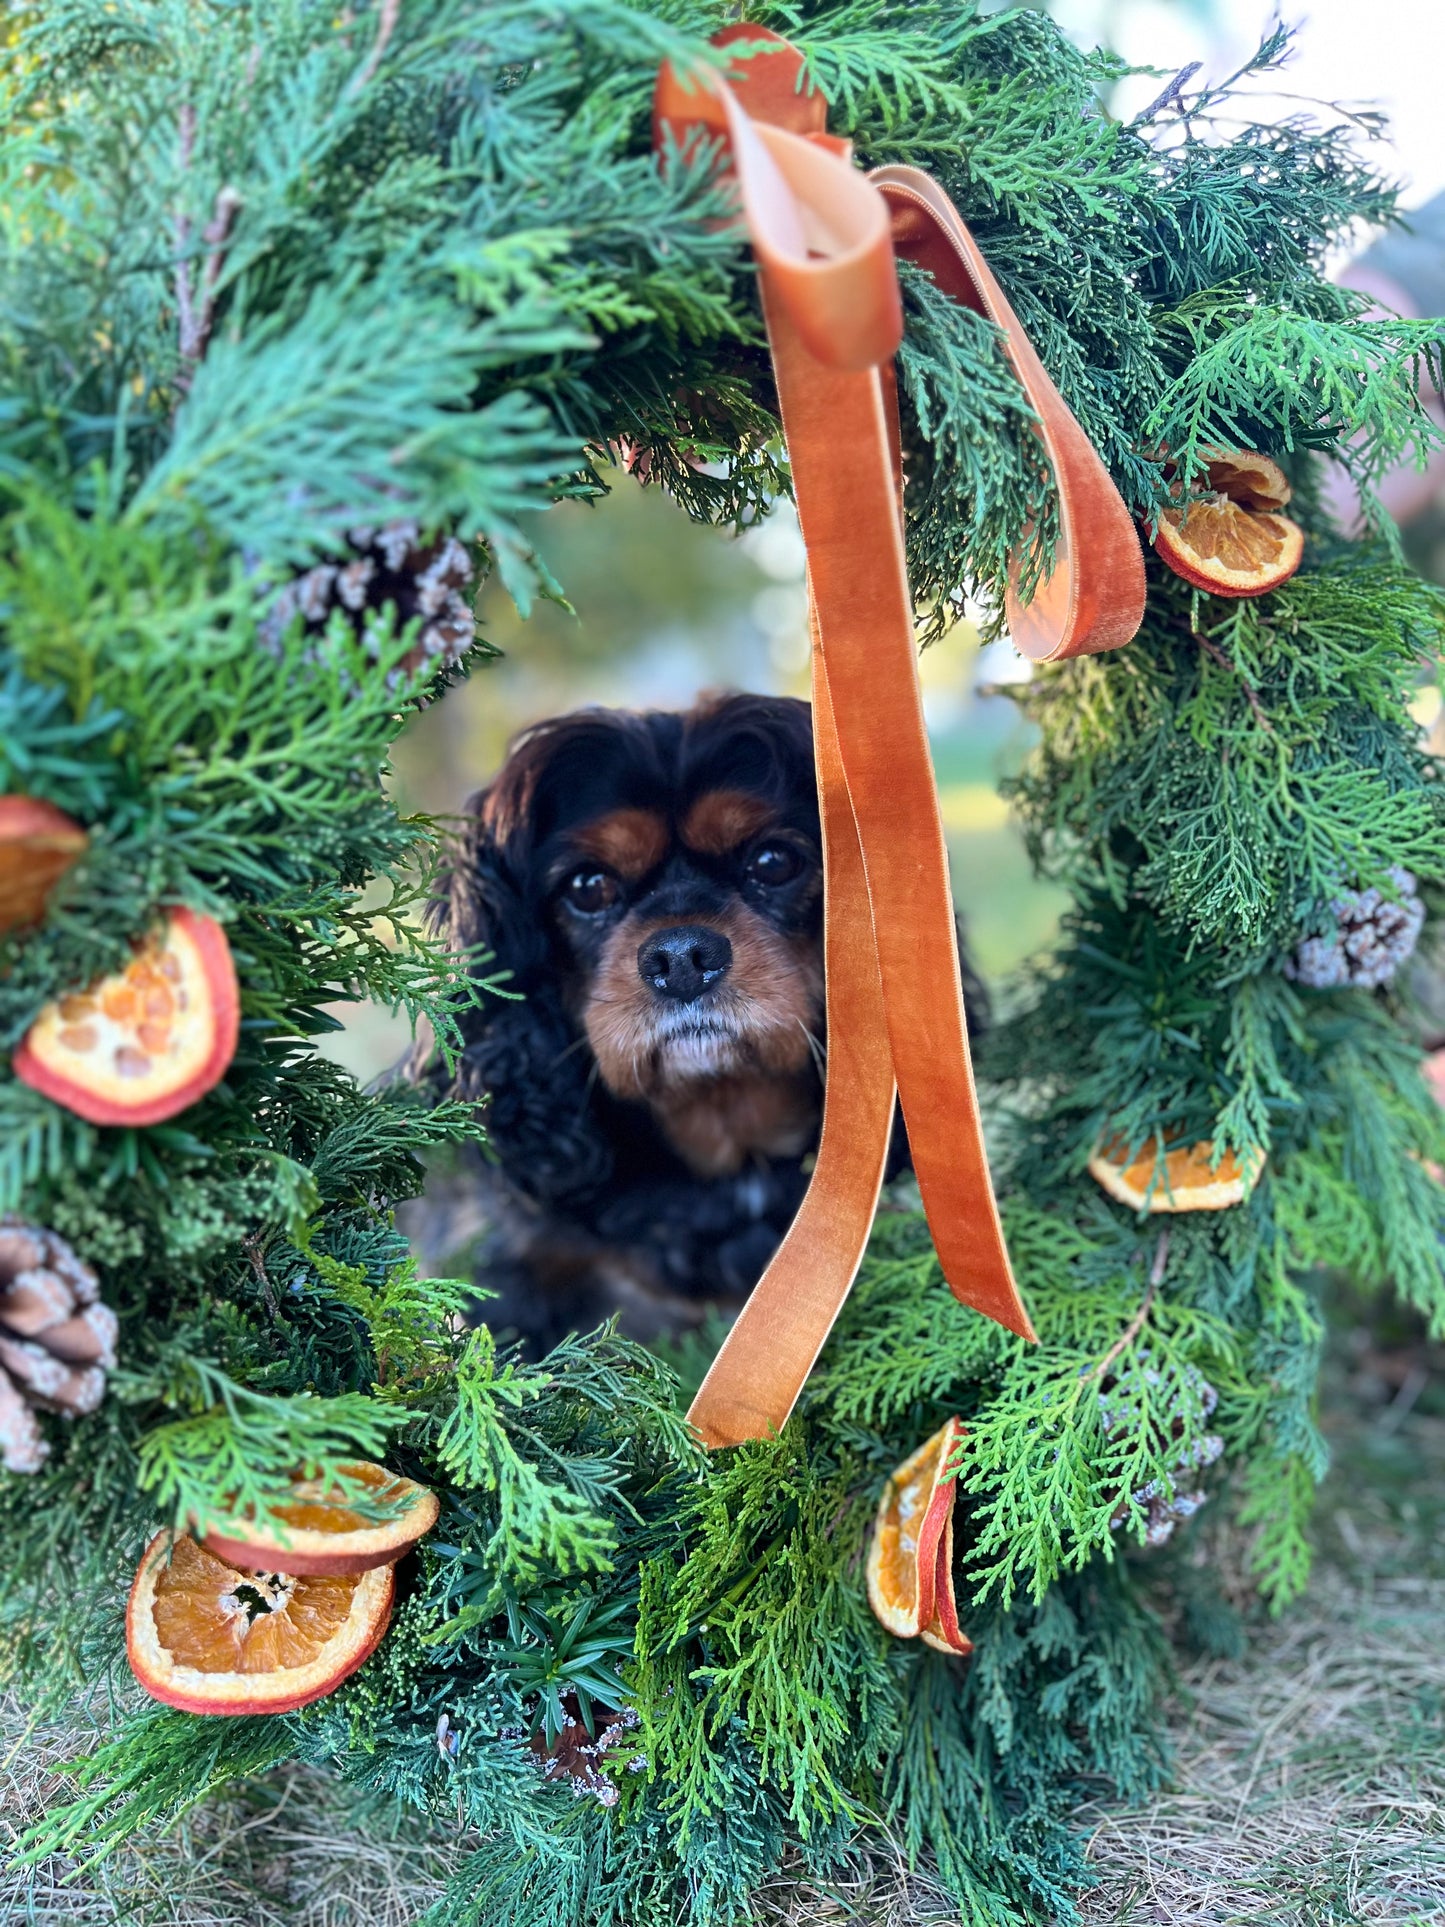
(391, 566)
(57, 1341)
(1372, 938)
(576, 1757)
(1163, 1503)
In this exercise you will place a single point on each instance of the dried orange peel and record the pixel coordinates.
(943, 1631)
(910, 1556)
(38, 844)
(316, 1532)
(208, 1638)
(144, 1044)
(1227, 536)
(1189, 1180)
(1248, 478)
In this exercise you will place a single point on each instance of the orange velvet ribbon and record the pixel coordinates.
(823, 236)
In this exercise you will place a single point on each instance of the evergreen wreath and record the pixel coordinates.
(279, 275)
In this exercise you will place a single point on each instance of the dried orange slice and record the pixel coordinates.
(205, 1637)
(143, 1045)
(1228, 537)
(1187, 1183)
(916, 1506)
(1247, 477)
(943, 1632)
(316, 1532)
(38, 844)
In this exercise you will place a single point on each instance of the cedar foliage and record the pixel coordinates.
(273, 269)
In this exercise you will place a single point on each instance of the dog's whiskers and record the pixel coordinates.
(562, 1056)
(817, 1050)
(589, 1086)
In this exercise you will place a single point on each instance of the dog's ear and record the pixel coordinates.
(486, 903)
(519, 1056)
(478, 910)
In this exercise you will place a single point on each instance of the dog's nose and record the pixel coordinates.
(685, 961)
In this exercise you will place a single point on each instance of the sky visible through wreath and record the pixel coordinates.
(1386, 55)
(665, 609)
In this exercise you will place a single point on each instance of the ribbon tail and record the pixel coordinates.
(865, 629)
(754, 1382)
(823, 238)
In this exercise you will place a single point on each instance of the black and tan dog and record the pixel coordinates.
(653, 1089)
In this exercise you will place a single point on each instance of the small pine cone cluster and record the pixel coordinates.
(57, 1341)
(576, 1757)
(1372, 938)
(1163, 1502)
(390, 566)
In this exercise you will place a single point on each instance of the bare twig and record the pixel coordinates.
(186, 122)
(1170, 95)
(388, 13)
(1136, 1324)
(216, 235)
(251, 1245)
(194, 319)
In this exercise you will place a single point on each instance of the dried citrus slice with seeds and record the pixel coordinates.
(1227, 537)
(209, 1638)
(38, 844)
(943, 1632)
(317, 1531)
(143, 1045)
(907, 1532)
(1189, 1180)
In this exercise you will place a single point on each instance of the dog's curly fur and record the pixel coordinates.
(651, 1138)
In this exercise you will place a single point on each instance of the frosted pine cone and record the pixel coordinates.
(393, 567)
(1163, 1502)
(1372, 938)
(578, 1759)
(57, 1341)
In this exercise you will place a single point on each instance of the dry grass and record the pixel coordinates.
(1310, 1783)
(294, 1851)
(1310, 1789)
(1311, 1778)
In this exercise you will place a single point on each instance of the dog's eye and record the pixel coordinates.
(590, 890)
(773, 863)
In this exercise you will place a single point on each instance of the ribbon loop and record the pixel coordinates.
(1093, 597)
(820, 234)
(823, 236)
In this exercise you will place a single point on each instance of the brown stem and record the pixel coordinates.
(251, 1245)
(388, 14)
(194, 320)
(1213, 650)
(1170, 95)
(186, 122)
(1136, 1324)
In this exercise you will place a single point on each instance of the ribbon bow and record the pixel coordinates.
(823, 236)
